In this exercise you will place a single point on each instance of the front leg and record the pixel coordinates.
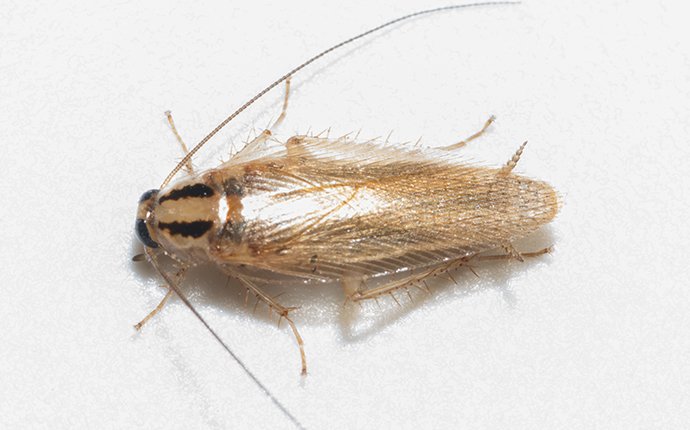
(178, 278)
(188, 167)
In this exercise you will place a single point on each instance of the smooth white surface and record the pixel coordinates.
(595, 335)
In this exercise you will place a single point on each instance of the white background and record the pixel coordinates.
(595, 335)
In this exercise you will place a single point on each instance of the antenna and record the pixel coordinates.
(261, 93)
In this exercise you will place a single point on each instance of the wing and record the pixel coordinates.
(325, 208)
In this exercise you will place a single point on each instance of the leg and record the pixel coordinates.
(155, 310)
(178, 277)
(188, 166)
(283, 112)
(510, 165)
(415, 280)
(512, 252)
(282, 312)
(356, 292)
(264, 135)
(471, 138)
(524, 255)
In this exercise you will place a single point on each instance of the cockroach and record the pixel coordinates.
(336, 210)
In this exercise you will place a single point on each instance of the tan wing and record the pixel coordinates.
(326, 208)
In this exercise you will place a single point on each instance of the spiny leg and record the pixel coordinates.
(359, 293)
(282, 312)
(415, 280)
(264, 135)
(471, 138)
(178, 277)
(480, 258)
(188, 167)
(510, 165)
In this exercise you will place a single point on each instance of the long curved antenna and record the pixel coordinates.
(203, 141)
(173, 286)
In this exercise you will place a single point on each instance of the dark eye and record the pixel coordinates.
(143, 233)
(147, 195)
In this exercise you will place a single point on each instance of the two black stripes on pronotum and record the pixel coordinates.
(193, 229)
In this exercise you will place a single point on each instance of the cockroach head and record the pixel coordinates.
(146, 203)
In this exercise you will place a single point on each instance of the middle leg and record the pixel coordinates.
(282, 311)
(267, 133)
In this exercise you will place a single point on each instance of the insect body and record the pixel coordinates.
(358, 213)
(325, 209)
(335, 209)
(357, 208)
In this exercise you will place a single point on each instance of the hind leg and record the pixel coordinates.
(357, 294)
(511, 255)
(471, 138)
